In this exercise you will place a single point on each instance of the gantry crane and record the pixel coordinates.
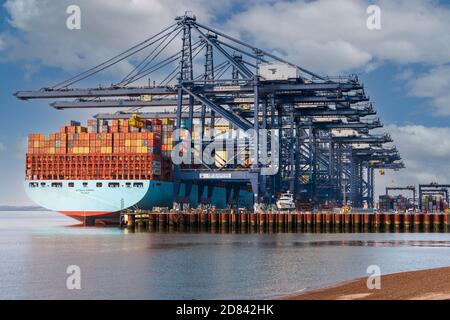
(202, 75)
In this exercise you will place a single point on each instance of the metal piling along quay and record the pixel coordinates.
(294, 221)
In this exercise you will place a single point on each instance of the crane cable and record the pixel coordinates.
(111, 61)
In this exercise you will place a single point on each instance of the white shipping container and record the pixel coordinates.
(278, 71)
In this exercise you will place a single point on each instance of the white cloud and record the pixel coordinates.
(331, 35)
(23, 12)
(327, 36)
(2, 42)
(2, 147)
(21, 148)
(29, 70)
(405, 75)
(434, 84)
(425, 152)
(107, 28)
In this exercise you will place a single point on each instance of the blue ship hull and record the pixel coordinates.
(103, 199)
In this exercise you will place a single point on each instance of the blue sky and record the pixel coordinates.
(404, 66)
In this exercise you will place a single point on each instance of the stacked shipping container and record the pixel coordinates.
(399, 203)
(435, 203)
(385, 203)
(102, 150)
(168, 125)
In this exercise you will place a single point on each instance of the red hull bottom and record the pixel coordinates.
(93, 217)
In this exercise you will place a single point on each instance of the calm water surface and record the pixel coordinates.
(37, 247)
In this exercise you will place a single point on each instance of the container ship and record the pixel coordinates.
(92, 173)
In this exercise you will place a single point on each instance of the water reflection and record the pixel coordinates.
(270, 244)
(35, 250)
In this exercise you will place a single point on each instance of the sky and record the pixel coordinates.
(405, 65)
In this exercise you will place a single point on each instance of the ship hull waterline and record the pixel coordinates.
(103, 200)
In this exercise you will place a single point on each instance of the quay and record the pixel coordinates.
(228, 220)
